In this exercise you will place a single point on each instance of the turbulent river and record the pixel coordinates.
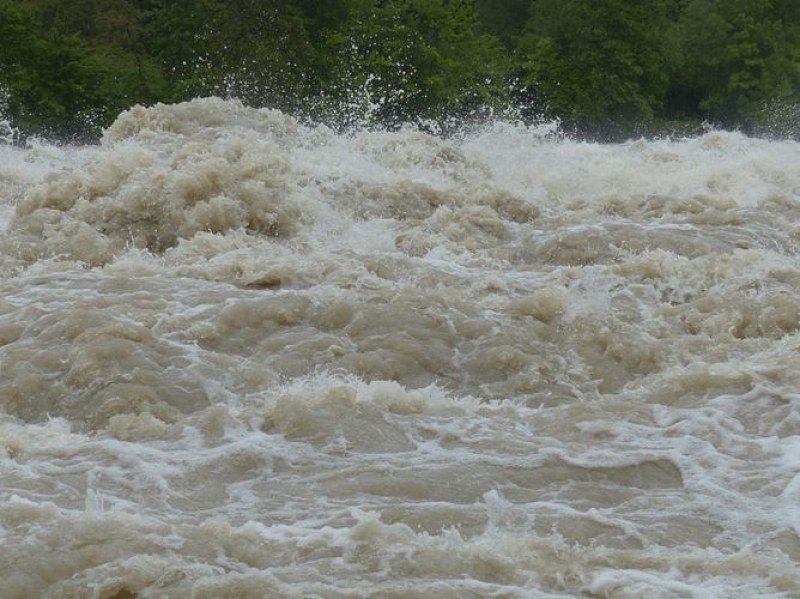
(241, 357)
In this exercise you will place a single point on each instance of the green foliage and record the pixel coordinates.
(44, 80)
(260, 51)
(598, 59)
(505, 20)
(68, 67)
(56, 81)
(412, 60)
(738, 55)
(176, 34)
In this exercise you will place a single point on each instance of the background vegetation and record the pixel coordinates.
(68, 67)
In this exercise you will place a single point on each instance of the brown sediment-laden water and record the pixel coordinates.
(243, 357)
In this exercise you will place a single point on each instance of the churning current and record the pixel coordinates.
(245, 358)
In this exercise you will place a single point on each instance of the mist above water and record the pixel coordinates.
(243, 357)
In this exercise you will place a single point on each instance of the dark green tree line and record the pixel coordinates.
(594, 60)
(68, 67)
(415, 59)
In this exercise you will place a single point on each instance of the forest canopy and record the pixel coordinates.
(68, 67)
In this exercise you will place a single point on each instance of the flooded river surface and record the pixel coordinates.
(243, 358)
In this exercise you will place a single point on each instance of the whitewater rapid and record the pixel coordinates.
(244, 357)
